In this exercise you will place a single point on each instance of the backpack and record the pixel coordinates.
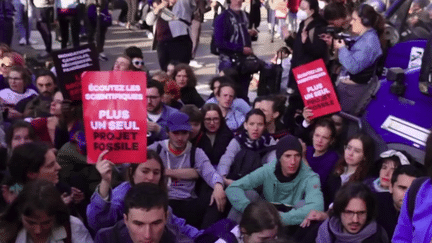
(412, 194)
(246, 161)
(192, 157)
(213, 48)
(219, 230)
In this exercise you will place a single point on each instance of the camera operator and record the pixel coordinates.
(360, 60)
(338, 20)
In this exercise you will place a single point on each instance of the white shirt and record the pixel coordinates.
(79, 233)
(236, 232)
(12, 97)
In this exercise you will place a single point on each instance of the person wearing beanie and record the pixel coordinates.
(184, 163)
(288, 180)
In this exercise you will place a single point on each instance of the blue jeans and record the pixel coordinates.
(23, 19)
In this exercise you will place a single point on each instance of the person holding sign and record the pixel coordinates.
(107, 205)
(360, 60)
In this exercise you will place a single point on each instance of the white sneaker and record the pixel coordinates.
(195, 64)
(22, 41)
(150, 35)
(103, 57)
(122, 24)
(32, 42)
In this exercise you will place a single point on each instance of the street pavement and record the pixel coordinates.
(118, 38)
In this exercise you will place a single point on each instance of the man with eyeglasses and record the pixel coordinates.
(157, 112)
(353, 217)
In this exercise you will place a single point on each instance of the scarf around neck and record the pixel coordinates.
(331, 231)
(263, 142)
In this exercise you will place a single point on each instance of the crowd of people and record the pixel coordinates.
(221, 169)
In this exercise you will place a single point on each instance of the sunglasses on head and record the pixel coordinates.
(138, 63)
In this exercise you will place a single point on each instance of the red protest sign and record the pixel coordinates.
(115, 115)
(316, 88)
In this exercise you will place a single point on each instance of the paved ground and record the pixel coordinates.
(118, 38)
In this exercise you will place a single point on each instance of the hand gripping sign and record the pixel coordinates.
(115, 115)
(316, 88)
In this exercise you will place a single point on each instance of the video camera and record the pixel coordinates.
(337, 34)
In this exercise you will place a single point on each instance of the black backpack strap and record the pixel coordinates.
(159, 149)
(192, 157)
(412, 194)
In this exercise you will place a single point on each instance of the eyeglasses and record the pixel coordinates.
(214, 120)
(350, 214)
(3, 65)
(138, 63)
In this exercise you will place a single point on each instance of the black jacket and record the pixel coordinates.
(189, 95)
(312, 49)
(215, 152)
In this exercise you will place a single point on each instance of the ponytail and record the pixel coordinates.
(370, 18)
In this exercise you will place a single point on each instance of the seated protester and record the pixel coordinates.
(8, 60)
(360, 60)
(71, 125)
(123, 63)
(186, 80)
(260, 222)
(107, 205)
(145, 218)
(225, 96)
(253, 137)
(39, 215)
(183, 168)
(171, 96)
(19, 80)
(20, 132)
(37, 160)
(39, 106)
(340, 126)
(285, 181)
(390, 203)
(352, 166)
(353, 217)
(320, 157)
(157, 112)
(237, 104)
(197, 137)
(273, 108)
(47, 127)
(414, 220)
(390, 160)
(217, 131)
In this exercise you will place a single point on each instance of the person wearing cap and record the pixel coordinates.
(182, 170)
(289, 180)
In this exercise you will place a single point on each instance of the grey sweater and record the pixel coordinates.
(184, 189)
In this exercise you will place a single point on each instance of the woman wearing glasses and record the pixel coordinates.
(19, 79)
(217, 132)
(353, 166)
